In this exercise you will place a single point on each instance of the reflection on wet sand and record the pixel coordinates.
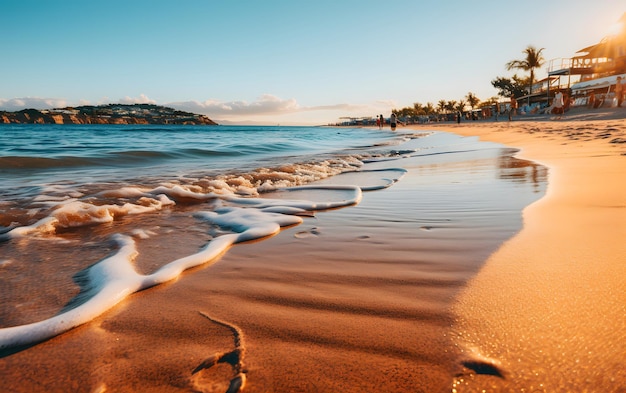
(517, 170)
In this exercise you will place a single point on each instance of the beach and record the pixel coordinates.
(483, 281)
(548, 309)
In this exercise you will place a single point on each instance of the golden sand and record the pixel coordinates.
(548, 309)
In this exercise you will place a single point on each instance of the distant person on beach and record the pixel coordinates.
(512, 108)
(619, 91)
(393, 121)
(382, 121)
(592, 100)
(458, 117)
(558, 104)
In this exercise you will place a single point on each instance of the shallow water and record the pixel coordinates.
(100, 228)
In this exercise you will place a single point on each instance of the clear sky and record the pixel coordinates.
(287, 62)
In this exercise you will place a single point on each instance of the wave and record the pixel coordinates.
(114, 278)
(118, 158)
(209, 153)
(18, 162)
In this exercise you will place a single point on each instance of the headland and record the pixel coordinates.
(106, 114)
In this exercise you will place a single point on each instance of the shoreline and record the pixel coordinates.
(548, 309)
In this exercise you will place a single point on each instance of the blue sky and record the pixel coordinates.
(287, 62)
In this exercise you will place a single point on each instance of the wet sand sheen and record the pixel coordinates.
(548, 309)
(356, 299)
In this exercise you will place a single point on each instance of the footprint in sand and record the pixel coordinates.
(234, 357)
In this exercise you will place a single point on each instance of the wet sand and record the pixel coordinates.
(547, 312)
(372, 298)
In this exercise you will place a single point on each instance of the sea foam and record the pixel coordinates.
(114, 278)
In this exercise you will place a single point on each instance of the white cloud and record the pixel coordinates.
(142, 99)
(335, 107)
(387, 103)
(267, 104)
(16, 104)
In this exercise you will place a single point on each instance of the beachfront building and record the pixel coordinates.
(357, 121)
(591, 75)
(540, 97)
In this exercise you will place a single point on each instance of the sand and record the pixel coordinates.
(540, 310)
(548, 309)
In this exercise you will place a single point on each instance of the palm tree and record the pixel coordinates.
(419, 109)
(534, 59)
(451, 105)
(441, 105)
(429, 108)
(472, 100)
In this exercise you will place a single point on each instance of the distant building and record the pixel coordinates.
(594, 68)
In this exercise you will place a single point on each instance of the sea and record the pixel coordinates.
(77, 202)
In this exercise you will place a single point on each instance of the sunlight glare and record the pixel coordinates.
(615, 29)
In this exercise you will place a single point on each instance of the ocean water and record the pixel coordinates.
(35, 156)
(88, 213)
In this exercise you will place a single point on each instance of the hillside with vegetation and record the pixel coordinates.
(106, 114)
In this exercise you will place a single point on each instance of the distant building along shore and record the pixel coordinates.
(589, 78)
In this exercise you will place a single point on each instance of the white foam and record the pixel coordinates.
(178, 191)
(125, 192)
(50, 198)
(5, 262)
(57, 193)
(352, 195)
(142, 234)
(368, 180)
(80, 213)
(45, 225)
(114, 278)
(75, 213)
